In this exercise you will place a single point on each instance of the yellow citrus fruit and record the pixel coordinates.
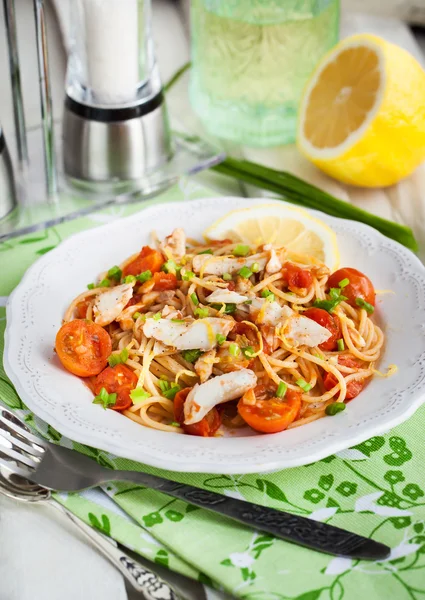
(362, 116)
(282, 225)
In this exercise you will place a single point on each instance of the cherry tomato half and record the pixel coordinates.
(353, 387)
(83, 347)
(360, 286)
(164, 281)
(323, 318)
(119, 380)
(148, 260)
(270, 414)
(206, 427)
(296, 276)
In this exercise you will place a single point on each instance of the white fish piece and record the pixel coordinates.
(204, 365)
(109, 305)
(175, 244)
(268, 313)
(302, 331)
(189, 335)
(227, 296)
(298, 330)
(202, 398)
(217, 265)
(274, 265)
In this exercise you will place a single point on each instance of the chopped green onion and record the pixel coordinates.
(334, 408)
(340, 344)
(229, 309)
(281, 389)
(175, 424)
(118, 359)
(245, 272)
(115, 273)
(234, 350)
(105, 399)
(90, 286)
(202, 313)
(299, 192)
(209, 251)
(170, 393)
(267, 294)
(177, 320)
(192, 356)
(241, 250)
(130, 279)
(303, 385)
(170, 267)
(163, 385)
(317, 355)
(145, 276)
(137, 315)
(335, 293)
(227, 277)
(188, 275)
(255, 267)
(220, 338)
(248, 302)
(104, 283)
(139, 394)
(344, 282)
(330, 305)
(248, 351)
(157, 316)
(194, 299)
(361, 302)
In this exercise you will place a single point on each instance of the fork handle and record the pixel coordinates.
(286, 526)
(141, 579)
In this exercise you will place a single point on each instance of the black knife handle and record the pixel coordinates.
(283, 525)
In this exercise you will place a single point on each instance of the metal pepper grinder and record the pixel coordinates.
(115, 126)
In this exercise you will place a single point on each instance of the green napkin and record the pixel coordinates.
(375, 489)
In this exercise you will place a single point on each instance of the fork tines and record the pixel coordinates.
(20, 450)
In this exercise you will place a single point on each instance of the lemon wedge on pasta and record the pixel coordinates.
(281, 225)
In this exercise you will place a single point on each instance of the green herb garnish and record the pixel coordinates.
(202, 313)
(344, 282)
(136, 315)
(104, 283)
(115, 273)
(227, 277)
(341, 345)
(248, 352)
(139, 394)
(245, 272)
(255, 267)
(188, 275)
(281, 389)
(105, 399)
(220, 338)
(208, 251)
(170, 393)
(130, 279)
(330, 305)
(157, 316)
(234, 349)
(192, 356)
(241, 250)
(306, 387)
(229, 308)
(171, 267)
(334, 408)
(361, 302)
(118, 359)
(90, 286)
(267, 294)
(145, 276)
(194, 299)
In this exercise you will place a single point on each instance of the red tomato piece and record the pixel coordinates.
(81, 309)
(135, 299)
(119, 380)
(353, 387)
(323, 318)
(83, 347)
(148, 260)
(165, 281)
(207, 427)
(270, 414)
(297, 277)
(360, 286)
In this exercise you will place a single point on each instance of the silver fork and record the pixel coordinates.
(141, 579)
(58, 468)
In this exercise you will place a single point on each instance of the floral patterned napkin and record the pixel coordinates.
(376, 489)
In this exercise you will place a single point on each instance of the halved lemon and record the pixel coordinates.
(362, 116)
(279, 224)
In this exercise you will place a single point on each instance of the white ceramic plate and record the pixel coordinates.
(36, 307)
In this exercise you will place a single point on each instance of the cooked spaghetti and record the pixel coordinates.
(188, 337)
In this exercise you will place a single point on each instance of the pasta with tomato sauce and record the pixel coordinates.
(192, 337)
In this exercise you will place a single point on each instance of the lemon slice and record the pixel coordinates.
(362, 116)
(278, 224)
